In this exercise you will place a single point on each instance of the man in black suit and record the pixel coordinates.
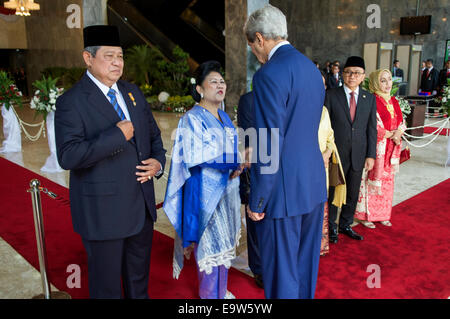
(430, 79)
(107, 137)
(396, 71)
(327, 69)
(353, 114)
(334, 79)
(245, 122)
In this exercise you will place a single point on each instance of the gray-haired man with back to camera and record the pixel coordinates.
(287, 202)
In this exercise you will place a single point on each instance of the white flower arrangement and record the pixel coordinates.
(404, 106)
(44, 99)
(444, 100)
(179, 109)
(41, 102)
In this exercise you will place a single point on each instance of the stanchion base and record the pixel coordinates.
(54, 295)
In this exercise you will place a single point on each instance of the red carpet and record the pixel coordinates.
(64, 246)
(413, 254)
(429, 130)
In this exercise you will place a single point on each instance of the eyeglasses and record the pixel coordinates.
(350, 74)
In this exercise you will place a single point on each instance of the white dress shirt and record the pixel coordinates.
(275, 48)
(105, 90)
(347, 94)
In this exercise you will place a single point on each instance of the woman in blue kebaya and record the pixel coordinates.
(202, 197)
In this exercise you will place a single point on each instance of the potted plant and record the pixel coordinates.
(44, 102)
(10, 96)
(444, 100)
(141, 64)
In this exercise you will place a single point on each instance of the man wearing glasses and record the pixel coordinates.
(353, 118)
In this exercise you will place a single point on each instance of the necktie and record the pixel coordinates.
(428, 72)
(352, 105)
(115, 104)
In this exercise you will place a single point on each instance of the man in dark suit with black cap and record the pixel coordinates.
(353, 114)
(107, 137)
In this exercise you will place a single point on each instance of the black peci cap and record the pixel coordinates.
(100, 35)
(355, 61)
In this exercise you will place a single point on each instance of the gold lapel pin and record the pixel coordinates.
(132, 98)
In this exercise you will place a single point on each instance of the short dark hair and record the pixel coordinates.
(430, 60)
(395, 61)
(201, 73)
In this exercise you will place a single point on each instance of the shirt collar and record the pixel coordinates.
(275, 48)
(348, 91)
(104, 88)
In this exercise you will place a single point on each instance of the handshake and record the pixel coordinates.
(127, 129)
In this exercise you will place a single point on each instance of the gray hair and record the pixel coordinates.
(92, 50)
(269, 21)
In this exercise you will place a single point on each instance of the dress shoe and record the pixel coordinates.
(259, 281)
(333, 235)
(350, 233)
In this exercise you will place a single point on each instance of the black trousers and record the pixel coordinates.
(353, 182)
(254, 257)
(126, 258)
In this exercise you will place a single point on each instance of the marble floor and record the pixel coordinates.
(18, 279)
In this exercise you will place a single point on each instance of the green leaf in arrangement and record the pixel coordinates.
(45, 96)
(9, 93)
